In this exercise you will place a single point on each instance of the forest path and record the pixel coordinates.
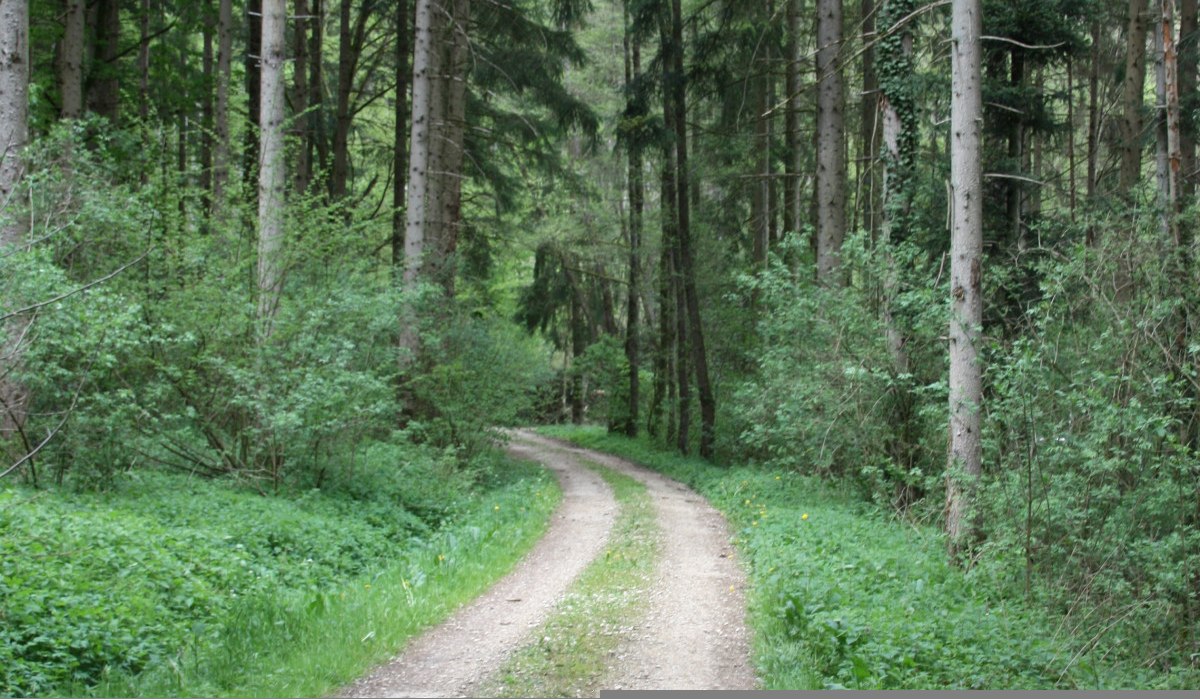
(693, 635)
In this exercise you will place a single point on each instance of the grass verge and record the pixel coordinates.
(844, 596)
(573, 651)
(181, 587)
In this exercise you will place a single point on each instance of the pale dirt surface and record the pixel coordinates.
(454, 658)
(693, 635)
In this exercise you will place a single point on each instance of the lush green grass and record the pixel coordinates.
(179, 586)
(572, 650)
(845, 596)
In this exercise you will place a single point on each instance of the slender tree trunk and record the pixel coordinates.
(633, 68)
(222, 149)
(143, 61)
(1135, 80)
(453, 145)
(70, 59)
(103, 89)
(318, 144)
(1072, 170)
(793, 199)
(1170, 62)
(1093, 144)
(966, 252)
(868, 127)
(206, 108)
(1187, 64)
(695, 336)
(349, 30)
(272, 177)
(300, 91)
(760, 184)
(254, 54)
(831, 150)
(14, 135)
(400, 145)
(1016, 153)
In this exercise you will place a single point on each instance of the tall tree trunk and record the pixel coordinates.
(633, 69)
(899, 130)
(251, 158)
(318, 144)
(222, 149)
(1072, 170)
(14, 134)
(869, 127)
(70, 59)
(206, 108)
(1187, 90)
(966, 252)
(1014, 188)
(695, 336)
(422, 202)
(1170, 62)
(793, 199)
(400, 143)
(453, 145)
(831, 150)
(143, 61)
(1134, 86)
(760, 199)
(104, 94)
(272, 176)
(301, 127)
(350, 31)
(1093, 144)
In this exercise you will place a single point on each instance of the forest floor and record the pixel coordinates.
(688, 632)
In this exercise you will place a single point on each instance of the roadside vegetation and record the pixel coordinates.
(170, 585)
(845, 595)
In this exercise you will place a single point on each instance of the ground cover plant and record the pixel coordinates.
(846, 596)
(173, 585)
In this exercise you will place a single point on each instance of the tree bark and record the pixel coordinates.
(695, 334)
(351, 34)
(966, 250)
(1134, 86)
(453, 145)
(206, 108)
(272, 176)
(633, 69)
(793, 199)
(831, 151)
(14, 135)
(1093, 144)
(301, 126)
(70, 60)
(400, 144)
(222, 148)
(103, 89)
(869, 126)
(1171, 126)
(143, 60)
(1187, 62)
(318, 144)
(254, 53)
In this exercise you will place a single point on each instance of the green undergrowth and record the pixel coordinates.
(573, 650)
(178, 586)
(846, 596)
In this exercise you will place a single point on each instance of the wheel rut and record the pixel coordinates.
(693, 635)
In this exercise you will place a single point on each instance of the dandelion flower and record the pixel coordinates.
(804, 516)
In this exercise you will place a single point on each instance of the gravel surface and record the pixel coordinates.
(693, 635)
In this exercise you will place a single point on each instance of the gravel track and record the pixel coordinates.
(693, 635)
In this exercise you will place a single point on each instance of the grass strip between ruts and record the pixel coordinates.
(572, 653)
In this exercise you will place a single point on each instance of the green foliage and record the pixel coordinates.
(845, 597)
(1089, 505)
(171, 570)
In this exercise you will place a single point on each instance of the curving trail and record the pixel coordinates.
(692, 637)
